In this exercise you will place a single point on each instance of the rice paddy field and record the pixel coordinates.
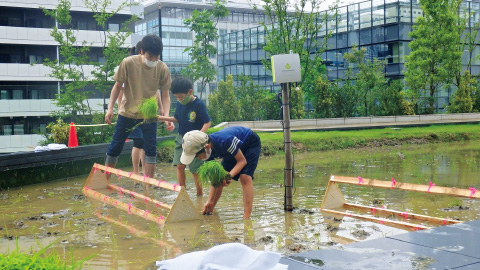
(78, 227)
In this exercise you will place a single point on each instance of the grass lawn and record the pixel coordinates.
(272, 142)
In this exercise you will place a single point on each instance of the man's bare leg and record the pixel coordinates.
(109, 165)
(149, 172)
(150, 169)
(142, 160)
(136, 152)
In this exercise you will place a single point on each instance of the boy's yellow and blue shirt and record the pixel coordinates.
(191, 116)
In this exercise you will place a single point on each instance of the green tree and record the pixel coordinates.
(114, 47)
(296, 26)
(58, 132)
(204, 25)
(462, 101)
(297, 104)
(68, 69)
(392, 101)
(323, 98)
(466, 82)
(435, 59)
(369, 80)
(297, 31)
(222, 106)
(476, 96)
(344, 98)
(75, 82)
(271, 107)
(467, 43)
(252, 98)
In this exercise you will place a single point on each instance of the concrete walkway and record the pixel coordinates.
(359, 122)
(447, 247)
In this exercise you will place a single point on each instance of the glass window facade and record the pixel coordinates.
(21, 125)
(177, 37)
(379, 26)
(31, 91)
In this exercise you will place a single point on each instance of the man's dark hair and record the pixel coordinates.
(152, 44)
(136, 49)
(181, 85)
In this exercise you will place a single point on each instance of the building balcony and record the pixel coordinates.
(27, 72)
(77, 5)
(41, 36)
(37, 107)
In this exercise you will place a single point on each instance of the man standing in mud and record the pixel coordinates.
(142, 76)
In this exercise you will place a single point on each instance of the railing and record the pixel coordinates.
(332, 123)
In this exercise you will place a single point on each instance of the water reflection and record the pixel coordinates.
(57, 211)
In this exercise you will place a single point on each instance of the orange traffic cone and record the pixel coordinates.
(72, 136)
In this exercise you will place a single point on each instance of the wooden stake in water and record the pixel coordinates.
(287, 142)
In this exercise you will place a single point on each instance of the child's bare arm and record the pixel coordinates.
(167, 118)
(206, 126)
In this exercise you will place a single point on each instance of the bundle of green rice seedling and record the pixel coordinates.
(212, 173)
(148, 109)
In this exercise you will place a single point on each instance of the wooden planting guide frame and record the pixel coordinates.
(97, 185)
(334, 201)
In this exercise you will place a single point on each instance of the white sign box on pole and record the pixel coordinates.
(286, 68)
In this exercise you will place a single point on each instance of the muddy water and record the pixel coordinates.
(57, 213)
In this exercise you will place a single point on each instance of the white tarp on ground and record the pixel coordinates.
(52, 146)
(232, 256)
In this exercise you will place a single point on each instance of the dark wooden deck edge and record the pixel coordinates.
(25, 168)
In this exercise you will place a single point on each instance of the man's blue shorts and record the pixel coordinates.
(251, 150)
(122, 129)
(137, 136)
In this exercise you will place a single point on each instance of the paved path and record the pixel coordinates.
(447, 247)
(359, 122)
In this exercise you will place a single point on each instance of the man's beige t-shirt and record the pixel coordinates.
(140, 82)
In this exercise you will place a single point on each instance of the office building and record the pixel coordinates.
(177, 36)
(26, 90)
(379, 26)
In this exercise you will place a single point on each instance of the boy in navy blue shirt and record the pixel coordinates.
(240, 149)
(190, 114)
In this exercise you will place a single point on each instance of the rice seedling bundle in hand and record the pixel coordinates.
(212, 173)
(148, 109)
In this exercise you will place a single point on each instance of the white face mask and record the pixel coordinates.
(207, 154)
(150, 64)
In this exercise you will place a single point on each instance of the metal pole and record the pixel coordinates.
(287, 143)
(160, 26)
(58, 60)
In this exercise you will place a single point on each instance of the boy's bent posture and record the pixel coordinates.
(141, 76)
(240, 149)
(191, 114)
